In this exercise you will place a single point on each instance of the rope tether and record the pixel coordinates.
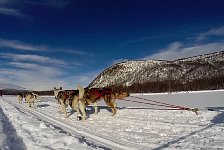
(156, 103)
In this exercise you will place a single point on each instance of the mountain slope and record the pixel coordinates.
(145, 71)
(10, 86)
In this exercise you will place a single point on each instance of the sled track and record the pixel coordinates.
(74, 130)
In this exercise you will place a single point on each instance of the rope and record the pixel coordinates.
(163, 104)
(156, 103)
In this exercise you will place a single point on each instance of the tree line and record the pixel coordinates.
(173, 86)
(152, 87)
(15, 92)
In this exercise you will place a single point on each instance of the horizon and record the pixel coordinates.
(63, 43)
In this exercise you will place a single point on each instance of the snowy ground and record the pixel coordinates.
(135, 126)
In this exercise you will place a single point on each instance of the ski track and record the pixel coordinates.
(141, 128)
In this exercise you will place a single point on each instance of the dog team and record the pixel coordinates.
(79, 99)
(29, 97)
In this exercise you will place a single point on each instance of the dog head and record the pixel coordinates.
(56, 91)
(35, 95)
(20, 96)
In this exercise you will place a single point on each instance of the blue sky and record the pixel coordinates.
(47, 43)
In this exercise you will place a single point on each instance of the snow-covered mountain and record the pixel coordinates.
(4, 86)
(144, 71)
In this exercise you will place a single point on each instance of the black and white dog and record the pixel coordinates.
(67, 97)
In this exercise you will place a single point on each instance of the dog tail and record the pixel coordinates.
(81, 91)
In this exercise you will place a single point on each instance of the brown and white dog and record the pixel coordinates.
(67, 97)
(20, 97)
(93, 95)
(31, 98)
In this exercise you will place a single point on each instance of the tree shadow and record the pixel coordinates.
(218, 119)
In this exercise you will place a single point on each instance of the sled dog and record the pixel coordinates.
(31, 98)
(93, 95)
(67, 97)
(20, 97)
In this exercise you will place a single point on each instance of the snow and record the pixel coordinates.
(135, 126)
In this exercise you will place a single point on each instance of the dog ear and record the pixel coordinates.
(54, 88)
(60, 88)
(81, 91)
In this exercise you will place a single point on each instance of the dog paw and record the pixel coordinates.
(60, 112)
(79, 118)
(113, 115)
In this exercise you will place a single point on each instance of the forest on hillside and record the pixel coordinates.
(173, 86)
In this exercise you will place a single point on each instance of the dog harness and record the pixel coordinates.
(100, 92)
(68, 94)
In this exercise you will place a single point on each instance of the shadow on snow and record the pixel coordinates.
(13, 141)
(218, 119)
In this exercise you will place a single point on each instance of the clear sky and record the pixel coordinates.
(47, 43)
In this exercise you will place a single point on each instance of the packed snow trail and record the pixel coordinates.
(38, 134)
(44, 117)
(132, 127)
